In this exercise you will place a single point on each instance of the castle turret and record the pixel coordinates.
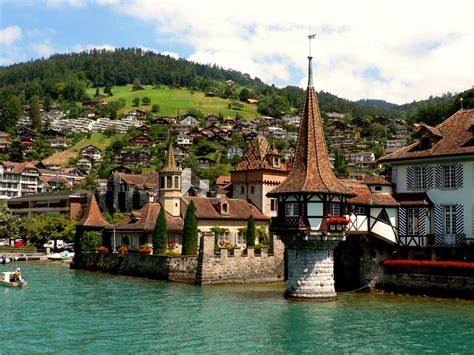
(170, 185)
(309, 196)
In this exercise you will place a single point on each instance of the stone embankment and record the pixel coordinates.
(205, 269)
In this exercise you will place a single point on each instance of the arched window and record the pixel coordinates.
(176, 182)
(162, 182)
(169, 182)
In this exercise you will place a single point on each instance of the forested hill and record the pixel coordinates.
(67, 76)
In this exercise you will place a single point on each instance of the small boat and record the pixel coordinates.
(4, 260)
(65, 255)
(7, 278)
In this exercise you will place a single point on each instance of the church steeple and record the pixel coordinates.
(170, 184)
(311, 170)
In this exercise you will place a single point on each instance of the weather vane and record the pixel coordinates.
(310, 37)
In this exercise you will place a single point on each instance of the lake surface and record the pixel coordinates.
(68, 311)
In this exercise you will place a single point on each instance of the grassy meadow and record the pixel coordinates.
(173, 100)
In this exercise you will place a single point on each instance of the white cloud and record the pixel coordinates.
(43, 49)
(10, 35)
(86, 47)
(417, 49)
(60, 3)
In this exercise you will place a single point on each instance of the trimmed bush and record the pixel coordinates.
(251, 232)
(160, 234)
(190, 231)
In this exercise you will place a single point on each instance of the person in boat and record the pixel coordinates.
(18, 276)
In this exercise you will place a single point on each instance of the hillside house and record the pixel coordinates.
(189, 121)
(92, 151)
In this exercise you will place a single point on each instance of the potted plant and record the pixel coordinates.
(122, 250)
(102, 249)
(337, 223)
(145, 250)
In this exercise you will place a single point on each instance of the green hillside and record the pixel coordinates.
(173, 100)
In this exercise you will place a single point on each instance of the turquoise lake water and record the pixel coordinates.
(68, 311)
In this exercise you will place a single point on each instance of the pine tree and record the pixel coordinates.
(160, 234)
(251, 233)
(35, 113)
(190, 231)
(11, 113)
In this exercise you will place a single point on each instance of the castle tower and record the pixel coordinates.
(259, 171)
(309, 196)
(170, 185)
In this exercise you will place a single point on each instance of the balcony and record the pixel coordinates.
(434, 241)
(298, 222)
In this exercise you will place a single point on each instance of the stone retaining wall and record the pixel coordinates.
(182, 268)
(205, 269)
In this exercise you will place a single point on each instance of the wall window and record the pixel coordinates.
(242, 190)
(176, 182)
(273, 204)
(292, 209)
(169, 182)
(378, 188)
(359, 210)
(334, 209)
(419, 175)
(449, 176)
(412, 221)
(450, 220)
(252, 189)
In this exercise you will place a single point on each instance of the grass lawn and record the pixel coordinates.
(97, 139)
(173, 100)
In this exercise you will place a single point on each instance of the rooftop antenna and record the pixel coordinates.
(310, 71)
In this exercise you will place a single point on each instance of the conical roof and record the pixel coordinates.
(170, 164)
(92, 216)
(311, 171)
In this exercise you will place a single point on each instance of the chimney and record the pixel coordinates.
(152, 196)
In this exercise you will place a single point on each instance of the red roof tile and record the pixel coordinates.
(366, 197)
(311, 171)
(413, 199)
(256, 156)
(92, 216)
(145, 220)
(208, 208)
(142, 180)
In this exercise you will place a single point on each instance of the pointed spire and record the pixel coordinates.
(170, 164)
(92, 216)
(311, 171)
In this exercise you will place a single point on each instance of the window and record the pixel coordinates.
(162, 185)
(291, 210)
(176, 182)
(449, 176)
(419, 174)
(334, 209)
(378, 188)
(252, 189)
(242, 190)
(412, 221)
(225, 208)
(450, 220)
(359, 210)
(169, 182)
(276, 162)
(273, 204)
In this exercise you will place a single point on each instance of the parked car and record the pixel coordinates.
(20, 243)
(4, 242)
(60, 244)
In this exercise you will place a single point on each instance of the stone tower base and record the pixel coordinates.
(311, 267)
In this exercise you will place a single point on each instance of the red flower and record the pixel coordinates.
(102, 249)
(337, 220)
(429, 263)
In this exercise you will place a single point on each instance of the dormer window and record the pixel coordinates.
(425, 143)
(225, 208)
(276, 162)
(378, 188)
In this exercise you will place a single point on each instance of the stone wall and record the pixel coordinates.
(181, 268)
(237, 266)
(207, 268)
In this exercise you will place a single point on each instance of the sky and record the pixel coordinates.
(398, 51)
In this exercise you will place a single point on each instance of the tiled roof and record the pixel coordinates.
(207, 208)
(376, 180)
(256, 156)
(92, 216)
(170, 164)
(311, 171)
(47, 179)
(366, 197)
(142, 180)
(17, 168)
(145, 220)
(454, 136)
(413, 199)
(223, 180)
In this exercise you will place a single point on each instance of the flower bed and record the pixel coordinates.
(102, 249)
(337, 220)
(123, 250)
(453, 268)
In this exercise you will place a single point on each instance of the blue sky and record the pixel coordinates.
(397, 51)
